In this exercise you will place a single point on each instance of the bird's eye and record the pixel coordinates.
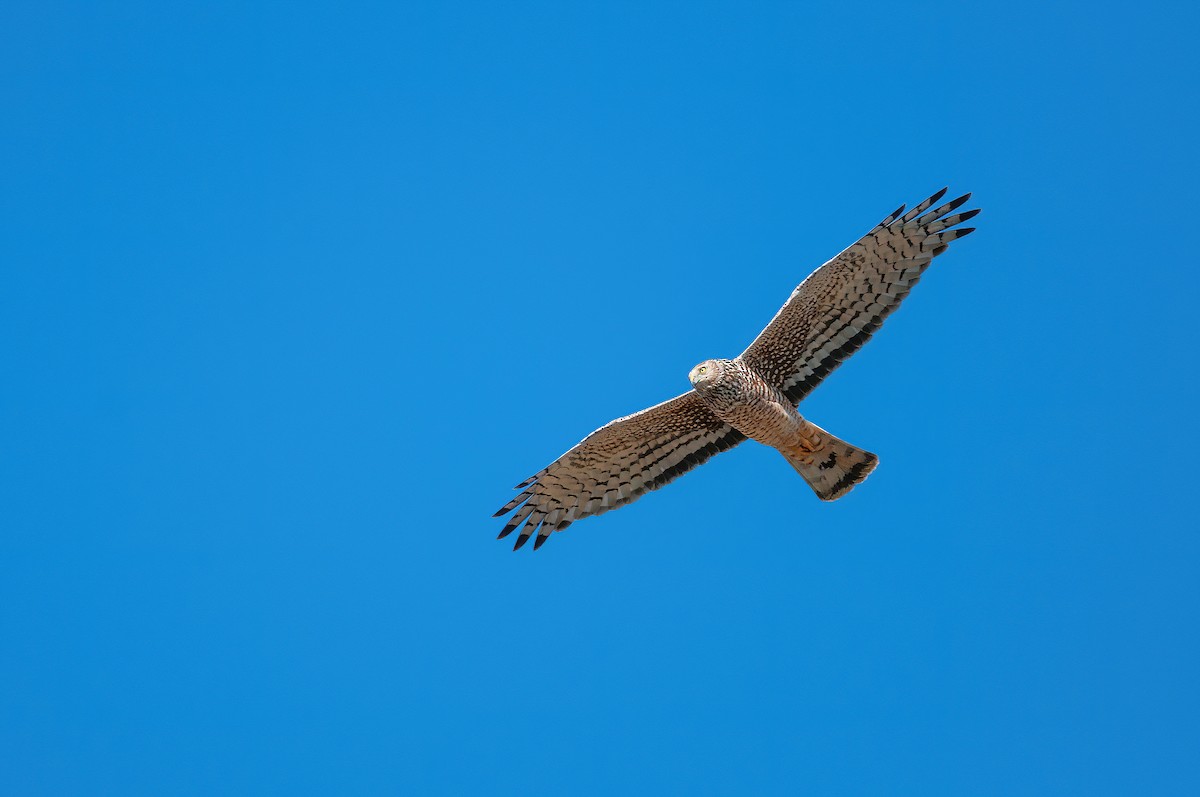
(703, 370)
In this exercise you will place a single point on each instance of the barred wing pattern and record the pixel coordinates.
(841, 304)
(617, 464)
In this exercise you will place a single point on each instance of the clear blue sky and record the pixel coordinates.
(292, 294)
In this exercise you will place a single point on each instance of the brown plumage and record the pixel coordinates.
(827, 318)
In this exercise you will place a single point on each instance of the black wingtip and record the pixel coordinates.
(936, 196)
(521, 540)
(540, 541)
(955, 204)
(527, 482)
(969, 214)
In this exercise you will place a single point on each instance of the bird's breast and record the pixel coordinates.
(750, 405)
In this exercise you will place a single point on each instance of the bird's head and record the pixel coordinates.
(707, 374)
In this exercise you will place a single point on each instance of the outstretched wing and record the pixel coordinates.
(841, 304)
(616, 464)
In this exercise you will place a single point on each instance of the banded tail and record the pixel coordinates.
(833, 466)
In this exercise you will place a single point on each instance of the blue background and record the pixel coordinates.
(292, 294)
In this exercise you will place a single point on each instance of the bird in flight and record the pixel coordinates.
(829, 316)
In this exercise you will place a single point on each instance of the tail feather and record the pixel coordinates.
(833, 467)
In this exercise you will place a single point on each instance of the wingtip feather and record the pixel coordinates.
(895, 214)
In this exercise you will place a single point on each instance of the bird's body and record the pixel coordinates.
(746, 400)
(738, 395)
(827, 318)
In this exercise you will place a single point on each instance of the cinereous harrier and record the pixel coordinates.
(826, 319)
